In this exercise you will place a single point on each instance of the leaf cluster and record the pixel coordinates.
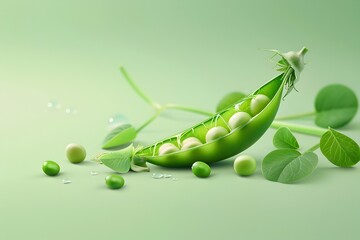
(286, 164)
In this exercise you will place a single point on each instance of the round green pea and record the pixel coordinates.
(245, 165)
(75, 153)
(201, 169)
(114, 181)
(50, 168)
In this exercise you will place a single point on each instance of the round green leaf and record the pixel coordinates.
(288, 165)
(283, 138)
(120, 135)
(229, 99)
(339, 149)
(336, 105)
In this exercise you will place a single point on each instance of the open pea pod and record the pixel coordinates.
(236, 141)
(230, 131)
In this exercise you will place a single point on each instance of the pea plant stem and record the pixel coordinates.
(158, 107)
(171, 106)
(137, 89)
(314, 131)
(313, 148)
(147, 122)
(187, 109)
(296, 116)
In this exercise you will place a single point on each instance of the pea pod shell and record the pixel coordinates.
(229, 145)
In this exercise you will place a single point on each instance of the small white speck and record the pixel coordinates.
(157, 175)
(66, 181)
(117, 120)
(50, 104)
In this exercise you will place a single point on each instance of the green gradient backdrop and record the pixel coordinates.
(186, 52)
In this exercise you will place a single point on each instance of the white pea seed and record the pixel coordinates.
(239, 119)
(215, 133)
(190, 144)
(190, 139)
(258, 103)
(167, 148)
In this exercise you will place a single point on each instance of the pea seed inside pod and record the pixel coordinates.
(215, 133)
(239, 119)
(190, 143)
(258, 103)
(190, 139)
(167, 148)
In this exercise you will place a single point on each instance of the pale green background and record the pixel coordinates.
(185, 52)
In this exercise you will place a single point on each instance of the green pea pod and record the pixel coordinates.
(224, 147)
(238, 139)
(233, 138)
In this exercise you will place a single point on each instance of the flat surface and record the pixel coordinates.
(185, 52)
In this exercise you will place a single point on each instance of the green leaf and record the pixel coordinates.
(122, 134)
(336, 105)
(288, 165)
(339, 149)
(229, 99)
(283, 138)
(119, 161)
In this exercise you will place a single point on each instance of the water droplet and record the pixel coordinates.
(93, 173)
(51, 104)
(66, 181)
(167, 175)
(70, 110)
(157, 175)
(117, 120)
